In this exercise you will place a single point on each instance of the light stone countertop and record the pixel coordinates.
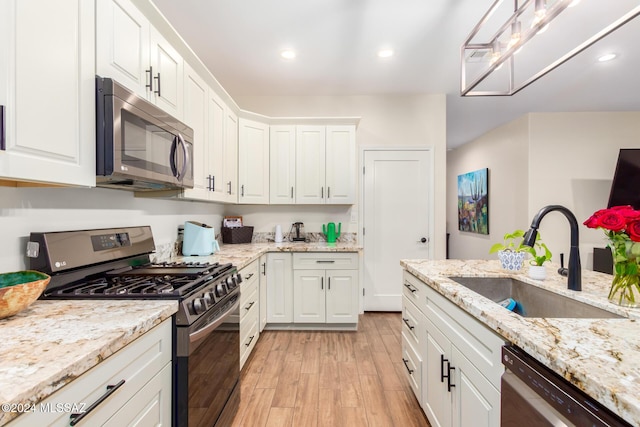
(599, 356)
(244, 254)
(51, 343)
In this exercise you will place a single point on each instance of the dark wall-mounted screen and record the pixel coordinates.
(625, 189)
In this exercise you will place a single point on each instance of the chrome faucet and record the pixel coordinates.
(574, 276)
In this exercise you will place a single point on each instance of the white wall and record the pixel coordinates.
(559, 158)
(23, 210)
(386, 121)
(504, 151)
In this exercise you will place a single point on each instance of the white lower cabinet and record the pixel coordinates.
(279, 288)
(249, 310)
(325, 287)
(263, 291)
(459, 357)
(142, 375)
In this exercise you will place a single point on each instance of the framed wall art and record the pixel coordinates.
(473, 201)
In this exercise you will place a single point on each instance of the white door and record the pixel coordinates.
(230, 169)
(309, 296)
(342, 296)
(195, 116)
(282, 164)
(167, 67)
(253, 162)
(340, 169)
(396, 217)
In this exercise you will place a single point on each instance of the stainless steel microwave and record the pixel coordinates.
(139, 146)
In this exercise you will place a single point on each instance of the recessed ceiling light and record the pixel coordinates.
(288, 54)
(385, 53)
(607, 57)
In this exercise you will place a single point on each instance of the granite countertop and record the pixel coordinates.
(599, 356)
(53, 342)
(244, 254)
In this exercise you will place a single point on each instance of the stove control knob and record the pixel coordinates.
(198, 305)
(238, 278)
(231, 283)
(209, 298)
(220, 290)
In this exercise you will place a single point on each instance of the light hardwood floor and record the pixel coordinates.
(307, 379)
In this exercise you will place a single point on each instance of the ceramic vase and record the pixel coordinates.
(511, 260)
(538, 272)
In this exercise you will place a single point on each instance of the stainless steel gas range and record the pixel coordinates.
(115, 263)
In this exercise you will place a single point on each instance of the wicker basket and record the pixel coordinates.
(237, 234)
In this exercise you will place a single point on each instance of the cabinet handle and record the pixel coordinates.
(405, 361)
(264, 268)
(76, 418)
(328, 192)
(442, 360)
(322, 192)
(292, 192)
(449, 385)
(325, 261)
(248, 276)
(322, 283)
(250, 305)
(213, 183)
(329, 283)
(158, 91)
(242, 191)
(407, 323)
(229, 184)
(209, 182)
(3, 143)
(150, 85)
(250, 339)
(411, 288)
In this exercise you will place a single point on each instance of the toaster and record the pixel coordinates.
(199, 239)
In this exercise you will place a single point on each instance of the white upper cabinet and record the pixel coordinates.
(282, 164)
(230, 168)
(167, 72)
(217, 111)
(325, 164)
(253, 162)
(195, 116)
(48, 121)
(132, 52)
(310, 164)
(341, 163)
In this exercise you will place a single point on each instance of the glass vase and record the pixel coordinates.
(625, 287)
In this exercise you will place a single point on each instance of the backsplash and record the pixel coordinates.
(269, 237)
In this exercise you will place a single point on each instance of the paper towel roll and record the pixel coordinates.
(278, 235)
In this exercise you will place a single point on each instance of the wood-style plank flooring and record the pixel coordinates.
(307, 379)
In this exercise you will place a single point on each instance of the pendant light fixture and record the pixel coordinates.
(510, 25)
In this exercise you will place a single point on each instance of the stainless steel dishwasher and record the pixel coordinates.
(533, 395)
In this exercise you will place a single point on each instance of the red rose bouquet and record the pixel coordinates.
(621, 225)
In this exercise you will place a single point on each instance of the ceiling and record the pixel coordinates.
(337, 40)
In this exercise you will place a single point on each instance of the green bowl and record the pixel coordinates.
(19, 289)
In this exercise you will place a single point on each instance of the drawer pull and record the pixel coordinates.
(248, 276)
(406, 321)
(250, 305)
(325, 261)
(250, 339)
(406, 365)
(76, 418)
(411, 288)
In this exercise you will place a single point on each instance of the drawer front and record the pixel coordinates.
(136, 364)
(412, 366)
(249, 333)
(413, 289)
(325, 260)
(411, 324)
(250, 272)
(248, 299)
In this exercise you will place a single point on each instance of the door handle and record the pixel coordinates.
(213, 183)
(406, 365)
(185, 154)
(242, 191)
(423, 240)
(229, 184)
(406, 321)
(322, 283)
(328, 192)
(76, 418)
(292, 192)
(264, 268)
(411, 288)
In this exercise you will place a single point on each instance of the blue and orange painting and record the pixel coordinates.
(473, 201)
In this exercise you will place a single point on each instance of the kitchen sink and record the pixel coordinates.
(532, 301)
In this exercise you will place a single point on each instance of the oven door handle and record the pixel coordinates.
(202, 332)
